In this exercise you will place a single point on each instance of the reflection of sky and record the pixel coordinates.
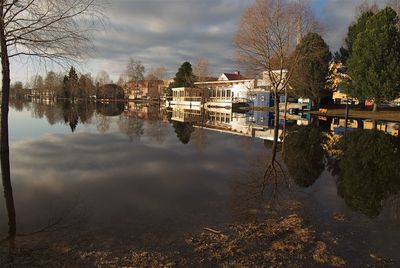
(117, 181)
(144, 186)
(23, 126)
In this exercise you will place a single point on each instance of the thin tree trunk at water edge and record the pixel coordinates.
(4, 139)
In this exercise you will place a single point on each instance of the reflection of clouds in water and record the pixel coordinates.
(117, 179)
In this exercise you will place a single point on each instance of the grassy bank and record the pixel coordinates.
(387, 115)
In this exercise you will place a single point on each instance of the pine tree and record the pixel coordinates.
(184, 77)
(309, 77)
(374, 65)
(73, 83)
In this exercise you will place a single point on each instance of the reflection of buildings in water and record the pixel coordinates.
(387, 127)
(252, 124)
(338, 125)
(184, 115)
(142, 110)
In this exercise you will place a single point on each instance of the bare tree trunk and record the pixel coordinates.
(284, 123)
(375, 108)
(276, 127)
(4, 140)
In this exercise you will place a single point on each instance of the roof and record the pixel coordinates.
(206, 79)
(234, 76)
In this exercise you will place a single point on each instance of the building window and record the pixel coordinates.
(228, 93)
(262, 98)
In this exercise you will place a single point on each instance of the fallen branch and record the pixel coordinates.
(212, 231)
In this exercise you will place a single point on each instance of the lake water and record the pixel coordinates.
(146, 176)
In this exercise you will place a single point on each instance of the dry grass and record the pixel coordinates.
(285, 242)
(380, 115)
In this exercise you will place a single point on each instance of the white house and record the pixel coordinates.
(187, 96)
(228, 90)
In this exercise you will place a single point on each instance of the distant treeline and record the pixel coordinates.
(70, 86)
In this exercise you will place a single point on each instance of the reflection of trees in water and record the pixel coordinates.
(85, 111)
(18, 104)
(274, 178)
(75, 113)
(110, 108)
(103, 123)
(131, 126)
(200, 139)
(368, 169)
(304, 154)
(156, 131)
(60, 112)
(70, 115)
(183, 131)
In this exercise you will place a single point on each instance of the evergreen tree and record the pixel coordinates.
(374, 64)
(73, 83)
(358, 27)
(309, 76)
(66, 93)
(184, 77)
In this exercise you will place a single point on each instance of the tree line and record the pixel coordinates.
(73, 85)
(58, 85)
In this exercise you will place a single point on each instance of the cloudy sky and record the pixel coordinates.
(169, 32)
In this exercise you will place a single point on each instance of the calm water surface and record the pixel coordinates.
(145, 176)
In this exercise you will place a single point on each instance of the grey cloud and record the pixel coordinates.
(169, 32)
(336, 16)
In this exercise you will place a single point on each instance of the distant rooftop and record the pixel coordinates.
(206, 79)
(232, 76)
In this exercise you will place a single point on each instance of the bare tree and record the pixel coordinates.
(135, 73)
(156, 78)
(122, 79)
(102, 78)
(200, 69)
(42, 29)
(265, 41)
(135, 70)
(53, 84)
(201, 72)
(86, 86)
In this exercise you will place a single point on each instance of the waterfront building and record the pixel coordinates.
(229, 90)
(188, 96)
(144, 89)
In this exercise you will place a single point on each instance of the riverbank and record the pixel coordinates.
(277, 241)
(385, 115)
